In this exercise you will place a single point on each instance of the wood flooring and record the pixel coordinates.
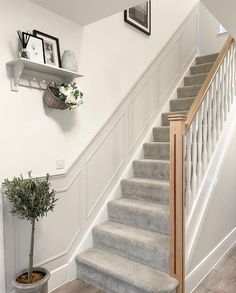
(222, 279)
(77, 286)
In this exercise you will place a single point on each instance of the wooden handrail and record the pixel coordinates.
(206, 85)
(177, 195)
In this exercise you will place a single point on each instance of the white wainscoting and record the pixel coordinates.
(84, 189)
(200, 272)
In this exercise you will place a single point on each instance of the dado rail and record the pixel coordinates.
(193, 139)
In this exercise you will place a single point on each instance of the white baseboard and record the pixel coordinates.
(198, 274)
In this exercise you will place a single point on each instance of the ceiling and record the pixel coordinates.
(224, 12)
(86, 11)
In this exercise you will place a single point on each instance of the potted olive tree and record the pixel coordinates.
(31, 199)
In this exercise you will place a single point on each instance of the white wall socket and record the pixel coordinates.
(60, 164)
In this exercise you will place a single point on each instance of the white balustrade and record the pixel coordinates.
(205, 130)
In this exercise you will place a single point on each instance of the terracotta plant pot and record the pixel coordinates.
(37, 287)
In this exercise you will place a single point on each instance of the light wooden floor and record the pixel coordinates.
(77, 287)
(223, 278)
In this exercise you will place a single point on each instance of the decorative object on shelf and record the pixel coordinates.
(35, 48)
(140, 17)
(69, 61)
(24, 39)
(27, 73)
(31, 199)
(51, 48)
(65, 96)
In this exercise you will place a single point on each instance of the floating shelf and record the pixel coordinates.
(24, 72)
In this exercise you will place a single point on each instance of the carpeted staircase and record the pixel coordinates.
(131, 249)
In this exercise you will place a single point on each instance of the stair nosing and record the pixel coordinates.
(82, 259)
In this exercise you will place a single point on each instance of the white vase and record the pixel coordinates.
(69, 61)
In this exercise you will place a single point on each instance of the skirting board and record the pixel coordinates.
(199, 273)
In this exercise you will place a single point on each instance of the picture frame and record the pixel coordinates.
(35, 48)
(51, 48)
(139, 17)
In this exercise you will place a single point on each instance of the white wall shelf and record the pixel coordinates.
(23, 72)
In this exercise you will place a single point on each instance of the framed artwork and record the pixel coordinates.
(51, 48)
(140, 17)
(35, 48)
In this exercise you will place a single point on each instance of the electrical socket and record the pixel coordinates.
(60, 164)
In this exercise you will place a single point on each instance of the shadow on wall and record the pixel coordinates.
(67, 121)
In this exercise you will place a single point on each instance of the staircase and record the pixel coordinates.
(131, 252)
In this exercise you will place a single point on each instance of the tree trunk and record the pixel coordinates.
(31, 255)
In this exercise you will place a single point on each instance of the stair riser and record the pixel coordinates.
(206, 59)
(152, 221)
(161, 134)
(186, 92)
(181, 104)
(150, 192)
(106, 282)
(159, 171)
(195, 80)
(133, 250)
(156, 151)
(200, 69)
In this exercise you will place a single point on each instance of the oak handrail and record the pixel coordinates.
(206, 85)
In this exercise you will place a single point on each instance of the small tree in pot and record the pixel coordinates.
(31, 199)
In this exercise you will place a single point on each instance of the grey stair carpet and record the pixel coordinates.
(131, 249)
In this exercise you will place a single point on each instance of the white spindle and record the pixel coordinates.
(206, 127)
(199, 147)
(189, 198)
(214, 113)
(209, 125)
(194, 160)
(205, 122)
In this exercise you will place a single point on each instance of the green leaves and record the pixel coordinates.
(31, 198)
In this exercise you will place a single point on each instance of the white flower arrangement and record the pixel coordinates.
(71, 95)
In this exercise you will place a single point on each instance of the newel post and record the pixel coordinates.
(177, 199)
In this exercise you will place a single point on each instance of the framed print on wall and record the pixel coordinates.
(51, 48)
(140, 17)
(35, 48)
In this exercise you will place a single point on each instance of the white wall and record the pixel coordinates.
(209, 39)
(112, 56)
(224, 11)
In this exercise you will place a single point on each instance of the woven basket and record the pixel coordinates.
(50, 97)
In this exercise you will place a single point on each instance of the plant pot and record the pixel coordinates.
(37, 287)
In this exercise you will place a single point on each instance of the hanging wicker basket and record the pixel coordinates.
(51, 98)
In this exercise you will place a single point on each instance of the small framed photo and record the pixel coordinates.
(140, 17)
(51, 48)
(35, 48)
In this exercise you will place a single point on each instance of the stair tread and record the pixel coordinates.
(189, 86)
(145, 237)
(147, 181)
(142, 205)
(131, 272)
(202, 65)
(174, 112)
(157, 143)
(152, 161)
(201, 58)
(196, 75)
(184, 99)
(165, 127)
